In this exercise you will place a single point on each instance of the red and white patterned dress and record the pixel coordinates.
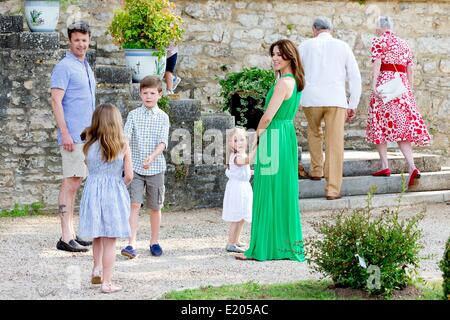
(399, 119)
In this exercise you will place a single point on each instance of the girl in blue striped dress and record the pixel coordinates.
(105, 204)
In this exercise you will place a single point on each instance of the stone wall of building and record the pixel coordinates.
(221, 36)
(224, 36)
(30, 162)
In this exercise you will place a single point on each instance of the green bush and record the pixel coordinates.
(363, 251)
(251, 86)
(445, 268)
(23, 210)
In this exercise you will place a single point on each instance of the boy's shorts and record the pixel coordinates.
(73, 164)
(171, 63)
(154, 189)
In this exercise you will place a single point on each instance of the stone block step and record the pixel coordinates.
(41, 41)
(429, 181)
(112, 74)
(219, 121)
(183, 110)
(363, 163)
(378, 201)
(9, 24)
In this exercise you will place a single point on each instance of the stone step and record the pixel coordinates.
(378, 201)
(351, 186)
(363, 163)
(112, 74)
(182, 110)
(41, 41)
(217, 121)
(9, 24)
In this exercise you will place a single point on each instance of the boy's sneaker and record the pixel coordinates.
(129, 252)
(176, 82)
(234, 248)
(156, 250)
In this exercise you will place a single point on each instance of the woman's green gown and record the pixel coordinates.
(276, 229)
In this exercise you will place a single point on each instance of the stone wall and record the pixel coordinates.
(30, 163)
(221, 36)
(224, 36)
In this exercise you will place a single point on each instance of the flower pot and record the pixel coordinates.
(143, 62)
(42, 15)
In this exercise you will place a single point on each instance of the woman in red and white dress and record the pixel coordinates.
(397, 120)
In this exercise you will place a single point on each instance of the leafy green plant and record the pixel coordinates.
(146, 24)
(378, 254)
(163, 104)
(23, 210)
(444, 265)
(181, 172)
(245, 90)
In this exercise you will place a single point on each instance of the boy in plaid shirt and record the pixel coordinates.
(147, 129)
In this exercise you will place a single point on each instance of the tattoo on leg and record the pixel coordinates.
(62, 209)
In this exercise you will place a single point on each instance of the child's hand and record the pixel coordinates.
(147, 162)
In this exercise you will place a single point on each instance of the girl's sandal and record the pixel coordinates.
(243, 257)
(110, 288)
(96, 277)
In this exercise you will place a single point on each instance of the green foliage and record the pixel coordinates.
(303, 290)
(23, 210)
(146, 24)
(163, 104)
(444, 265)
(353, 248)
(181, 172)
(249, 83)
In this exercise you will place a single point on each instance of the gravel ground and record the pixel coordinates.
(194, 256)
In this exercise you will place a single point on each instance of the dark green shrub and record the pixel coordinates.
(445, 268)
(244, 94)
(364, 251)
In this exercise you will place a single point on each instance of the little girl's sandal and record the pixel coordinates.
(110, 288)
(96, 277)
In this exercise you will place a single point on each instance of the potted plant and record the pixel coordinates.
(42, 16)
(244, 94)
(145, 28)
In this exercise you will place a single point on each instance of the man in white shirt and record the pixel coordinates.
(328, 63)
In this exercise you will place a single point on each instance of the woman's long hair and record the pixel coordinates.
(106, 128)
(289, 52)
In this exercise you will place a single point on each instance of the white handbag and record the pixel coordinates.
(392, 89)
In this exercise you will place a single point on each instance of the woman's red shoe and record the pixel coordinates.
(414, 175)
(385, 172)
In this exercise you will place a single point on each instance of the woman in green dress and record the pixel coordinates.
(276, 229)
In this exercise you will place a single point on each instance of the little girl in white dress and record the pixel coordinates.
(237, 202)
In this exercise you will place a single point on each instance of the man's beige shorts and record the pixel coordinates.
(73, 164)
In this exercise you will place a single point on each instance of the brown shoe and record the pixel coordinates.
(302, 173)
(334, 197)
(315, 178)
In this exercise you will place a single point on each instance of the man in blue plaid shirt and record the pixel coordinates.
(147, 129)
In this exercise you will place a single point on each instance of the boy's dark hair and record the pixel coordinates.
(151, 82)
(78, 26)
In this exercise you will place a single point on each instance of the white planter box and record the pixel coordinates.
(143, 63)
(42, 16)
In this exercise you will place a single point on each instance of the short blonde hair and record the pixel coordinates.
(233, 132)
